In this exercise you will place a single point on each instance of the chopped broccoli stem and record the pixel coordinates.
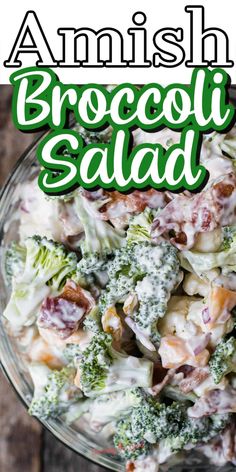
(113, 406)
(140, 227)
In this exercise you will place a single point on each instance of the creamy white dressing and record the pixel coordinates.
(198, 217)
(145, 286)
(38, 215)
(218, 166)
(67, 312)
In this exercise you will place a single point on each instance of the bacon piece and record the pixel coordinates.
(214, 401)
(60, 315)
(120, 204)
(148, 464)
(228, 438)
(130, 467)
(193, 379)
(188, 216)
(65, 313)
(75, 294)
(214, 451)
(185, 370)
(156, 389)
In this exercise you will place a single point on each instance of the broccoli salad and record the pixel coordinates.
(124, 306)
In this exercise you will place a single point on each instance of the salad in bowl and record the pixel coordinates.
(124, 309)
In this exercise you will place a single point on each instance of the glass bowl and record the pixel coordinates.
(77, 436)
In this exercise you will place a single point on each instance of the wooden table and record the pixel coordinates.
(24, 445)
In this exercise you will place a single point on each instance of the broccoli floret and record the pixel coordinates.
(91, 271)
(92, 321)
(152, 420)
(72, 353)
(121, 277)
(229, 237)
(140, 227)
(145, 426)
(150, 271)
(46, 267)
(223, 360)
(14, 260)
(113, 406)
(129, 445)
(155, 288)
(103, 369)
(100, 237)
(196, 431)
(151, 423)
(91, 264)
(57, 395)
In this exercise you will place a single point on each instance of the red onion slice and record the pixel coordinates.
(197, 344)
(206, 315)
(139, 335)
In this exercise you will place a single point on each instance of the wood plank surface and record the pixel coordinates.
(58, 458)
(24, 445)
(20, 436)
